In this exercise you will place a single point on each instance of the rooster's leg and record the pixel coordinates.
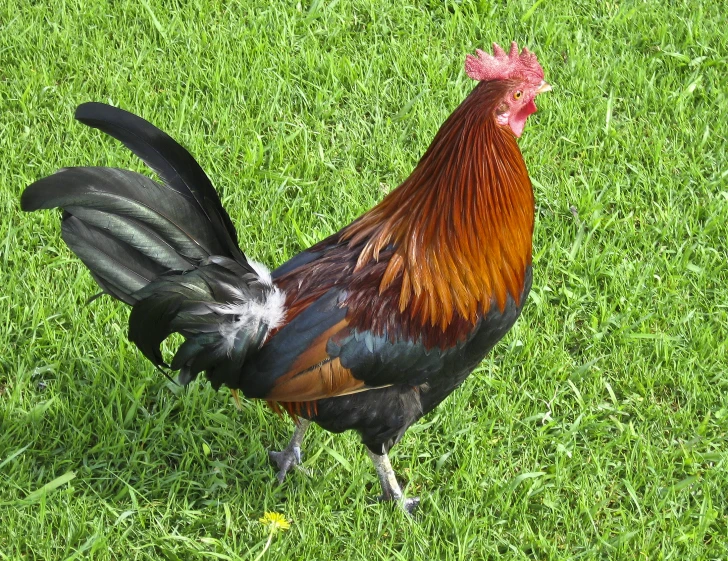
(290, 456)
(391, 491)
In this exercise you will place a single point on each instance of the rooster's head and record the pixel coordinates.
(524, 76)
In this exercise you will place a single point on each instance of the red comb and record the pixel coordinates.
(502, 66)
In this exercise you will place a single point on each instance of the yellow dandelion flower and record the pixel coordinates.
(275, 521)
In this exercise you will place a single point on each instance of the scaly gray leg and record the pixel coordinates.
(290, 456)
(391, 490)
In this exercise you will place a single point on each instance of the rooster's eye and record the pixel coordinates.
(518, 94)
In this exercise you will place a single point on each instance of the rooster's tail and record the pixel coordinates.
(168, 249)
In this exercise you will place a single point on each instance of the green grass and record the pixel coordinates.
(599, 427)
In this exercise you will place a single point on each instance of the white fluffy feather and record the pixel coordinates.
(250, 315)
(262, 271)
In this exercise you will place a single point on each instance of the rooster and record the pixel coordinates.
(369, 329)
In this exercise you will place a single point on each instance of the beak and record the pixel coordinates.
(543, 88)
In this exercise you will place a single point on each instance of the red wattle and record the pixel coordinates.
(518, 120)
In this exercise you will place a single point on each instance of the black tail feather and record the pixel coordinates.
(103, 195)
(127, 229)
(119, 269)
(175, 165)
(209, 307)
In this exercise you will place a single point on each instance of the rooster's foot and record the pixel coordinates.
(285, 460)
(290, 456)
(409, 505)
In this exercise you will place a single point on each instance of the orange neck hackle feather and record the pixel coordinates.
(461, 223)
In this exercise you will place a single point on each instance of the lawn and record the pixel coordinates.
(598, 429)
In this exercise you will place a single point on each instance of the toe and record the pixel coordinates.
(281, 476)
(276, 458)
